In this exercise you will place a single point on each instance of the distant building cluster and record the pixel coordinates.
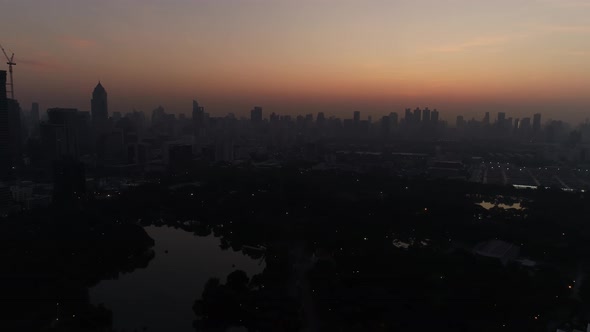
(66, 151)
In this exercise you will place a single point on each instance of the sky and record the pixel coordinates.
(304, 56)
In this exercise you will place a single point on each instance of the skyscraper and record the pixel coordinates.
(4, 134)
(486, 119)
(356, 117)
(35, 115)
(14, 132)
(434, 116)
(10, 131)
(426, 115)
(60, 134)
(525, 126)
(198, 115)
(417, 116)
(501, 119)
(536, 122)
(408, 116)
(393, 119)
(460, 123)
(99, 109)
(256, 114)
(320, 119)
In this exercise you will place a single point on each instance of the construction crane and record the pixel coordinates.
(10, 63)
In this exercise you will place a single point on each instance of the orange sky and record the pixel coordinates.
(304, 56)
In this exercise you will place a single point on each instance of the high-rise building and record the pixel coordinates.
(536, 122)
(34, 115)
(434, 116)
(15, 134)
(60, 134)
(198, 113)
(525, 126)
(426, 115)
(417, 116)
(408, 116)
(117, 116)
(256, 114)
(393, 119)
(5, 163)
(501, 119)
(356, 117)
(508, 123)
(99, 110)
(198, 119)
(460, 121)
(10, 131)
(486, 119)
(385, 126)
(320, 119)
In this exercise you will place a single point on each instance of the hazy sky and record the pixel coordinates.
(304, 56)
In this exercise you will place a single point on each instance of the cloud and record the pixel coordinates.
(479, 42)
(77, 43)
(47, 64)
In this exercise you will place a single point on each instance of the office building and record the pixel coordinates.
(536, 122)
(486, 119)
(408, 116)
(426, 115)
(460, 123)
(256, 114)
(393, 119)
(434, 116)
(501, 119)
(59, 135)
(5, 164)
(99, 110)
(417, 116)
(34, 117)
(356, 118)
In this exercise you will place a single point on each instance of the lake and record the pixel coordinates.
(160, 297)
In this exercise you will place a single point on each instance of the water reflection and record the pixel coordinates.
(160, 297)
(489, 205)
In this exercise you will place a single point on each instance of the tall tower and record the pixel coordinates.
(99, 109)
(426, 115)
(256, 114)
(536, 122)
(5, 163)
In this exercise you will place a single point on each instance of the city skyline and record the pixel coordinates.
(376, 57)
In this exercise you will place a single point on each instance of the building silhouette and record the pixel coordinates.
(99, 109)
(434, 116)
(356, 117)
(408, 116)
(486, 119)
(536, 122)
(59, 135)
(34, 119)
(5, 164)
(426, 115)
(256, 114)
(501, 119)
(417, 116)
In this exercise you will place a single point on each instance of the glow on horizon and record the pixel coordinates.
(376, 56)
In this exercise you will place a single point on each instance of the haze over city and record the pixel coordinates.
(295, 165)
(460, 56)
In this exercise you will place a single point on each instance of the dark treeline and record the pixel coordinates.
(52, 257)
(331, 247)
(362, 281)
